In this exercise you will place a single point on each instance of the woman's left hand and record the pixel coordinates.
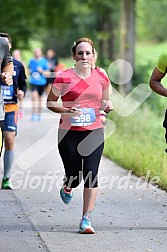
(107, 106)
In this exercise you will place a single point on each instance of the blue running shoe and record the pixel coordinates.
(38, 117)
(85, 224)
(66, 196)
(34, 117)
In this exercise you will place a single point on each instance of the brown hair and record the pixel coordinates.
(73, 49)
(5, 35)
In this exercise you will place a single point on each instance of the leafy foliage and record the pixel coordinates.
(22, 20)
(63, 20)
(151, 20)
(36, 18)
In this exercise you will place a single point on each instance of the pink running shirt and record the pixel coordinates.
(87, 93)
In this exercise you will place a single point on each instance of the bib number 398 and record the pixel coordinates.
(85, 119)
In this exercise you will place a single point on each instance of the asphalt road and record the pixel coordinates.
(130, 214)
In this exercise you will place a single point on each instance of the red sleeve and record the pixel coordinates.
(106, 85)
(60, 81)
(106, 81)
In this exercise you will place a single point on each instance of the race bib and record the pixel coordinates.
(7, 92)
(87, 118)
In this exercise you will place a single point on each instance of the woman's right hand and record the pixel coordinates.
(73, 111)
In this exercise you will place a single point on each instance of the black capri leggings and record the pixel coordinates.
(81, 152)
(165, 126)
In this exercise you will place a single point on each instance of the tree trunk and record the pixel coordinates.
(111, 40)
(106, 42)
(127, 40)
(101, 50)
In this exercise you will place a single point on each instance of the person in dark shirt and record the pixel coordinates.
(11, 95)
(6, 71)
(53, 62)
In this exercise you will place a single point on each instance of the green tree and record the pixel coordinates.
(69, 20)
(151, 20)
(106, 15)
(58, 23)
(23, 20)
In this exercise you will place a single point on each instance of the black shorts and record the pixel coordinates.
(11, 121)
(39, 88)
(50, 81)
(1, 135)
(165, 126)
(81, 152)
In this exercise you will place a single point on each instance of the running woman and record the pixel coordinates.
(84, 91)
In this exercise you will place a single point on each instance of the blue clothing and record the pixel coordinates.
(5, 59)
(36, 77)
(11, 120)
(19, 82)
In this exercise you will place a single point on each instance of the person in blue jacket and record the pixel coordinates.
(6, 71)
(38, 68)
(11, 94)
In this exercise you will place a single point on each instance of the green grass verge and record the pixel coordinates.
(138, 144)
(149, 51)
